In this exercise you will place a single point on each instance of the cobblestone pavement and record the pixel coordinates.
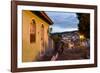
(68, 54)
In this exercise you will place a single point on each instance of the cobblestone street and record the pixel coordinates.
(68, 54)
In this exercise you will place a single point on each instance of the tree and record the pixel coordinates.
(84, 24)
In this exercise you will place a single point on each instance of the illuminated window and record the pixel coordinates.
(32, 31)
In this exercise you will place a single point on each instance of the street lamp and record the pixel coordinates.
(82, 37)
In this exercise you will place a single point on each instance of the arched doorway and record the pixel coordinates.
(42, 40)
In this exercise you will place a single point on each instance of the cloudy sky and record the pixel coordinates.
(63, 21)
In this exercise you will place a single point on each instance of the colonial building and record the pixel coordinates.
(34, 34)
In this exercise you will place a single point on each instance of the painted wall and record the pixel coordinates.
(32, 50)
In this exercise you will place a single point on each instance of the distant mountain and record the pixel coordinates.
(67, 32)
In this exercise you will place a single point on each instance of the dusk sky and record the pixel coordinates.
(63, 21)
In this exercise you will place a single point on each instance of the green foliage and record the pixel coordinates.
(84, 24)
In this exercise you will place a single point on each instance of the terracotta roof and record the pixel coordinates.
(43, 16)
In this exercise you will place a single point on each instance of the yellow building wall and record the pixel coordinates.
(30, 51)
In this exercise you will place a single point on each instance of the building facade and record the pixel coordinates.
(35, 25)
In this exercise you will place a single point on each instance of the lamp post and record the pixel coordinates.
(82, 37)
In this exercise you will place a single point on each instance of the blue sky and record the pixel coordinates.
(63, 21)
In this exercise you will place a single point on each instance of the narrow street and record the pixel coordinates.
(68, 54)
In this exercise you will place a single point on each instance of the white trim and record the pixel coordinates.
(52, 63)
